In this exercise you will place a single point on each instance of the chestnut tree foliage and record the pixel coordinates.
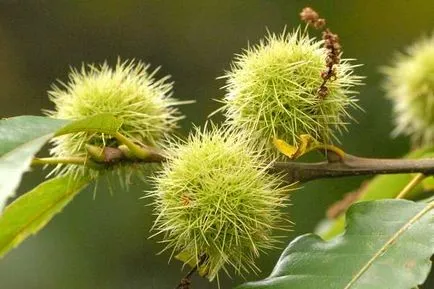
(219, 194)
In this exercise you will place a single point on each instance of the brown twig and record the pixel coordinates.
(336, 165)
(351, 165)
(186, 281)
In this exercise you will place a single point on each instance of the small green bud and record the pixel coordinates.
(128, 91)
(273, 90)
(96, 153)
(126, 151)
(214, 198)
(410, 86)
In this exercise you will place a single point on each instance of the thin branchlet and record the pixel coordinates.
(185, 282)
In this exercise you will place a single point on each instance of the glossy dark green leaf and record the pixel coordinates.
(382, 187)
(387, 244)
(32, 211)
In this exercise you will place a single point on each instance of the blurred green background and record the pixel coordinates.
(103, 243)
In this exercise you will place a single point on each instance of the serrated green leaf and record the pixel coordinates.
(32, 211)
(387, 244)
(382, 187)
(22, 137)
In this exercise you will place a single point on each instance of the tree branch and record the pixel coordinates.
(337, 165)
(350, 165)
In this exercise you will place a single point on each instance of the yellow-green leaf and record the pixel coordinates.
(99, 123)
(22, 137)
(32, 211)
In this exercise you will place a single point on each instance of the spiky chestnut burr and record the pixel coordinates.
(215, 200)
(129, 91)
(273, 90)
(410, 85)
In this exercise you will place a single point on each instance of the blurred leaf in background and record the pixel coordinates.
(103, 243)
